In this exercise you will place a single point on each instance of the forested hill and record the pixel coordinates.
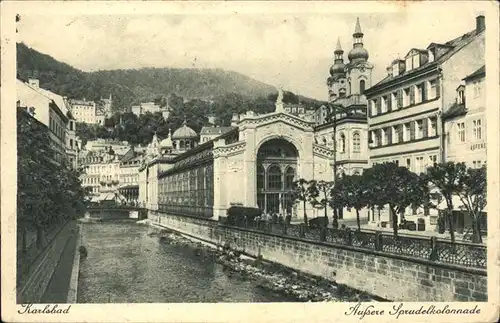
(132, 86)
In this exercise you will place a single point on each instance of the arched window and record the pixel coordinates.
(356, 142)
(342, 143)
(260, 177)
(289, 177)
(274, 178)
(181, 144)
(362, 86)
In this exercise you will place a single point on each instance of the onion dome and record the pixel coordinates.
(338, 66)
(358, 53)
(167, 142)
(184, 132)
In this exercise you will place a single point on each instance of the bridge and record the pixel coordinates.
(104, 213)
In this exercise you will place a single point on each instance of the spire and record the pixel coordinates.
(357, 30)
(338, 49)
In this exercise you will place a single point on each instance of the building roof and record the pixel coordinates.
(211, 131)
(479, 73)
(184, 132)
(455, 45)
(455, 110)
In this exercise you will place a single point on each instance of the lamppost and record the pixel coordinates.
(332, 117)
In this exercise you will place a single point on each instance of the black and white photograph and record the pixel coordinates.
(270, 154)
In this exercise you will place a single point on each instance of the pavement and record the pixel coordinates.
(57, 290)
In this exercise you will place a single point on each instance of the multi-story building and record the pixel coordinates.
(86, 112)
(465, 122)
(405, 108)
(53, 111)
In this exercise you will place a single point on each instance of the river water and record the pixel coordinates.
(126, 265)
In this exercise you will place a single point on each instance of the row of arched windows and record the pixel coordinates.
(341, 143)
(273, 178)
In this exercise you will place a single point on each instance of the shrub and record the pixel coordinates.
(318, 222)
(236, 215)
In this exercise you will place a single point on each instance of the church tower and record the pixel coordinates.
(337, 86)
(359, 71)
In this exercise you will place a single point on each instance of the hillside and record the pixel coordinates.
(132, 86)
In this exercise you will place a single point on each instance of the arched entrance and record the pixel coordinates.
(276, 172)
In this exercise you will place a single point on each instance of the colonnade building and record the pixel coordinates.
(255, 161)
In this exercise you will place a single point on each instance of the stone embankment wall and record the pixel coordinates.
(397, 278)
(39, 270)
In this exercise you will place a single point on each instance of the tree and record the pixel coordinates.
(300, 193)
(394, 186)
(350, 192)
(48, 191)
(472, 194)
(319, 198)
(446, 178)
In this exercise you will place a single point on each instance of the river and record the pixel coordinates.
(126, 265)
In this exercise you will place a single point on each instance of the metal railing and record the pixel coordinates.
(431, 248)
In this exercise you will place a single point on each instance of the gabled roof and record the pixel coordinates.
(455, 45)
(480, 72)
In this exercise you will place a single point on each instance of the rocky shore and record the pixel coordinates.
(270, 276)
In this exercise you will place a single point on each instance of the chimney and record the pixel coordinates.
(389, 70)
(480, 24)
(34, 83)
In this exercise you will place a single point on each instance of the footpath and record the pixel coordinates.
(59, 285)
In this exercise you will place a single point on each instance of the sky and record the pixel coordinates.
(293, 50)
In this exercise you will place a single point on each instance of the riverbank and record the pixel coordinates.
(267, 275)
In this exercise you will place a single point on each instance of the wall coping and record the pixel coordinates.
(478, 271)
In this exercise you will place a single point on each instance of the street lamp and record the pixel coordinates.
(332, 117)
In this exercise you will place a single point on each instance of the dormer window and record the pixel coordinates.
(461, 94)
(395, 69)
(431, 55)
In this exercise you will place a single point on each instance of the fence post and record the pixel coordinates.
(434, 254)
(302, 232)
(269, 227)
(349, 237)
(284, 229)
(378, 240)
(322, 234)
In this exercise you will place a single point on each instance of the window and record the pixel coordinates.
(432, 89)
(71, 143)
(289, 178)
(383, 104)
(260, 177)
(362, 86)
(373, 108)
(419, 93)
(275, 180)
(420, 129)
(408, 163)
(406, 97)
(388, 102)
(387, 136)
(408, 64)
(433, 159)
(419, 163)
(356, 142)
(394, 100)
(378, 103)
(461, 131)
(416, 61)
(342, 143)
(412, 95)
(400, 99)
(432, 126)
(476, 129)
(476, 164)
